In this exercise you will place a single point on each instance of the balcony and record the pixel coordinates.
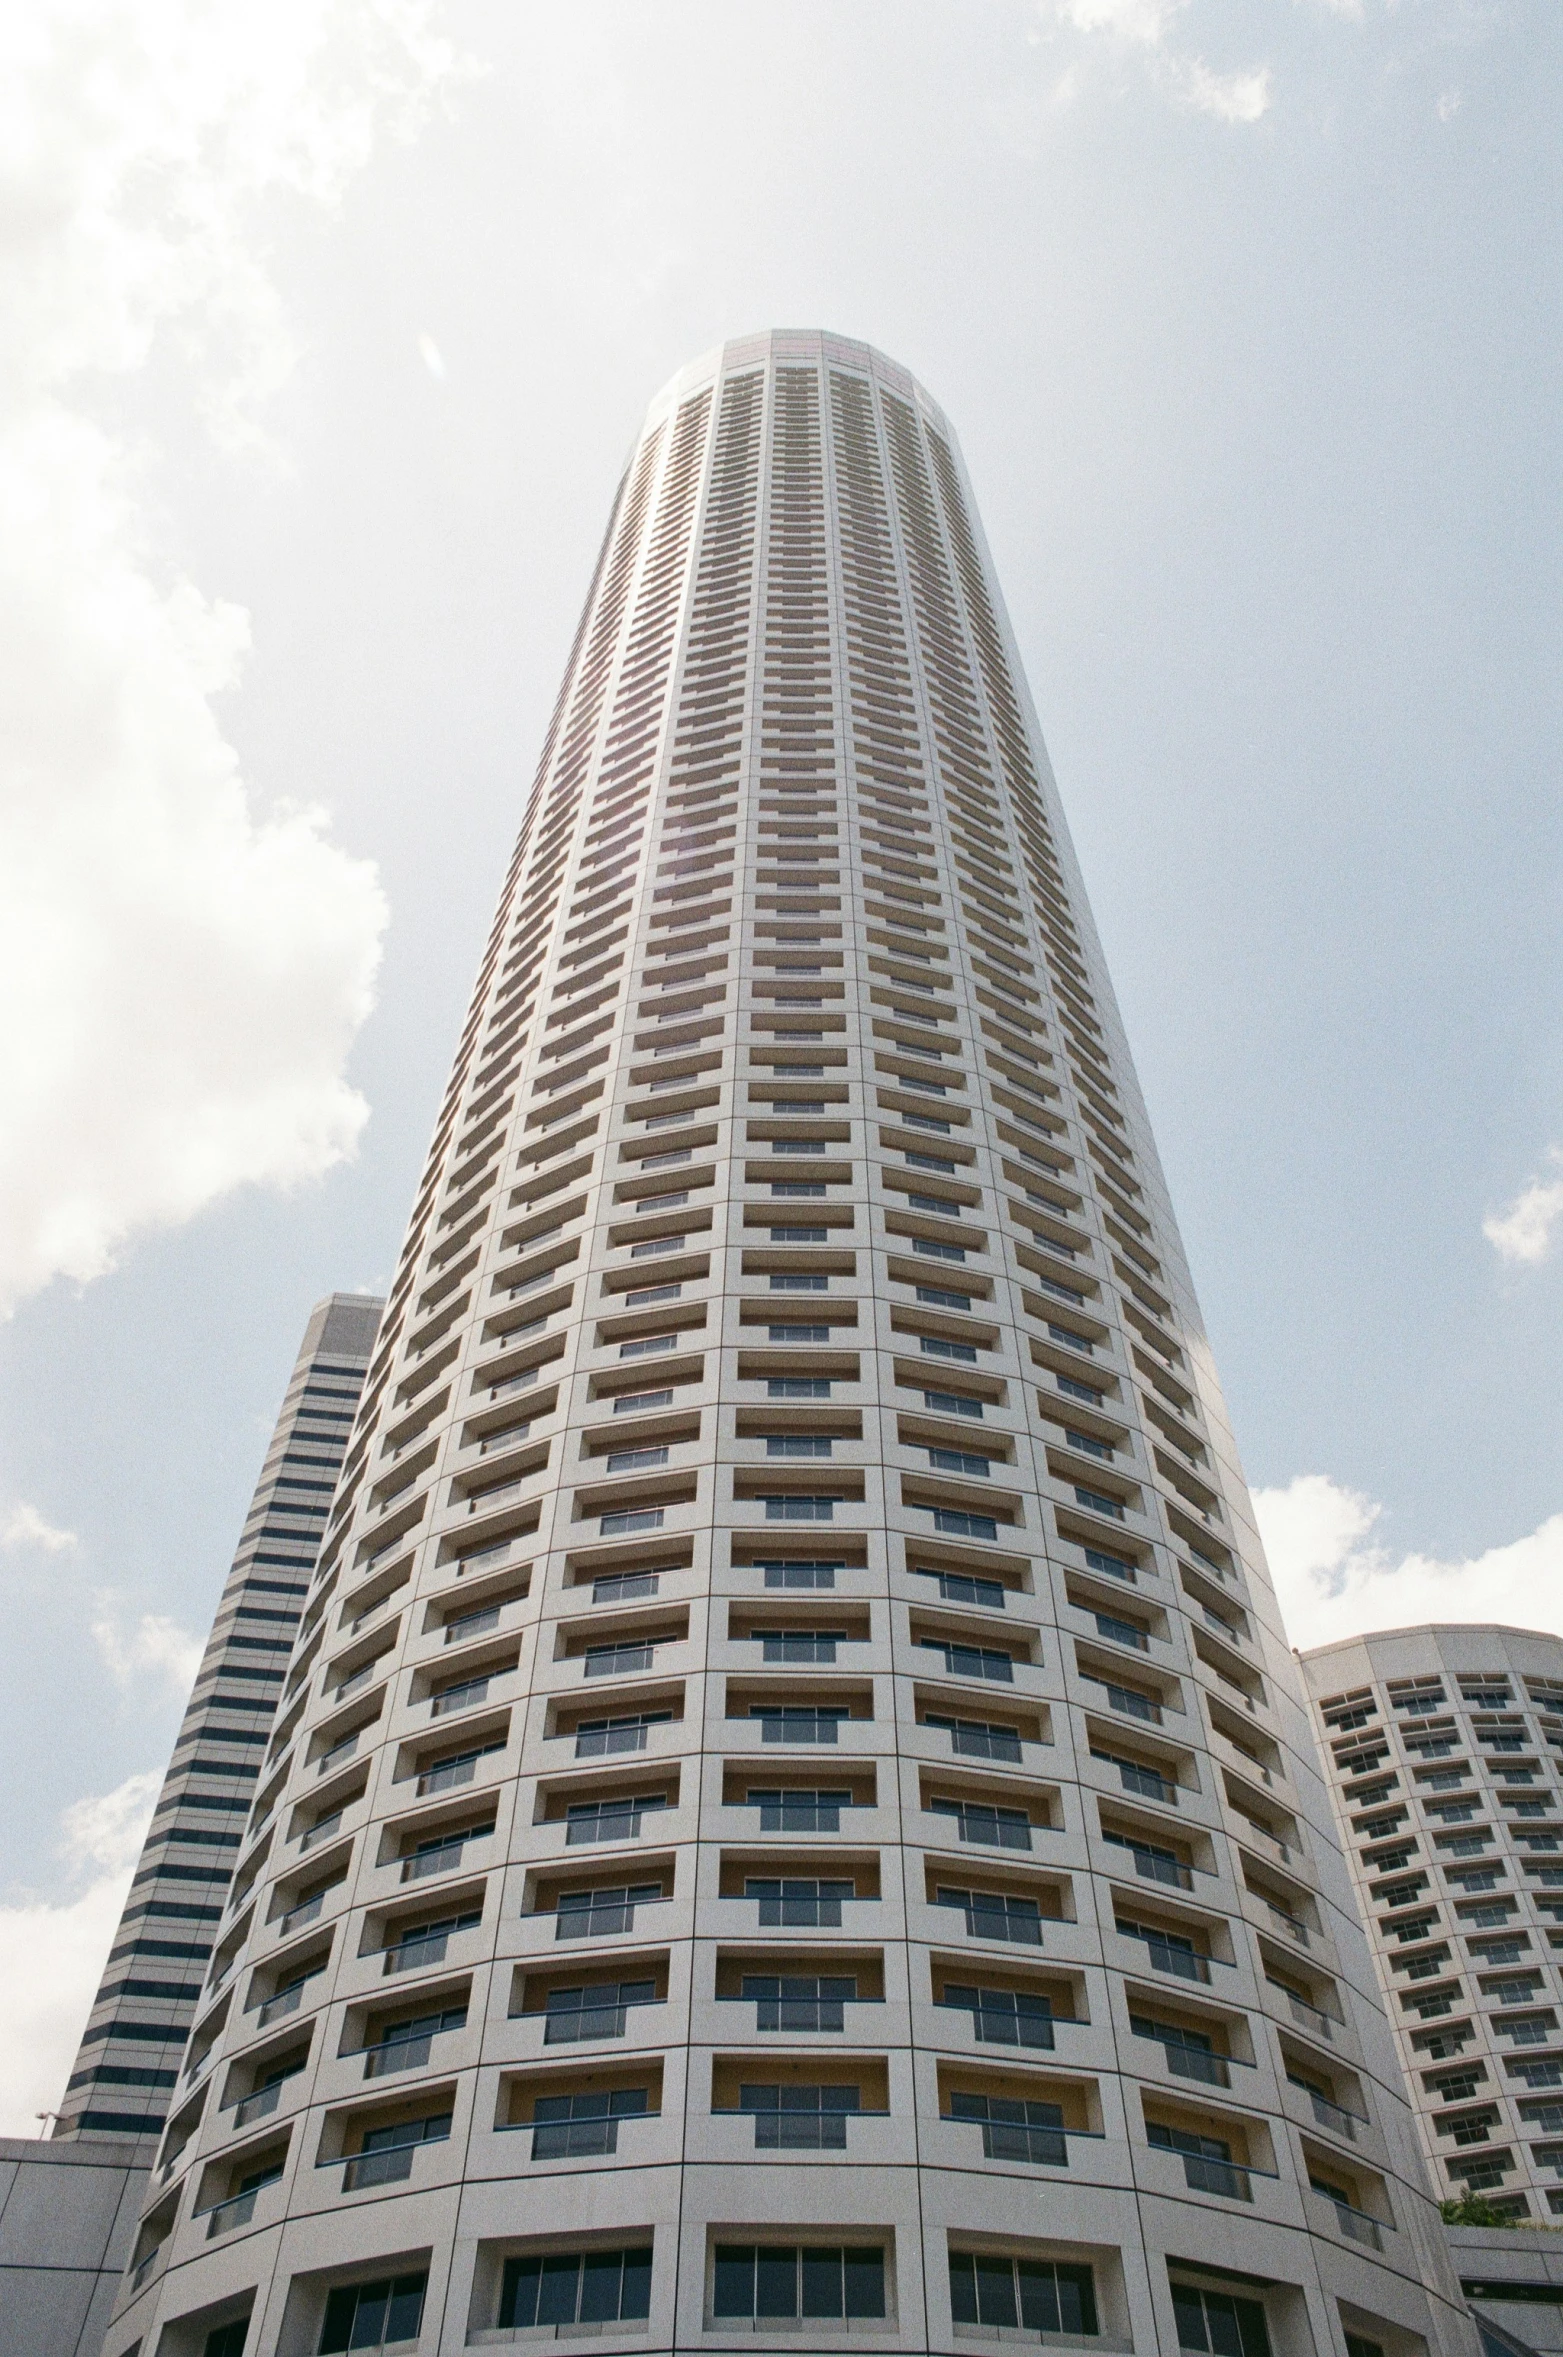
(386, 2156)
(286, 2000)
(985, 1823)
(597, 1914)
(576, 2015)
(1227, 2178)
(1357, 2225)
(441, 1855)
(1327, 2114)
(224, 2216)
(143, 2267)
(1003, 2017)
(977, 1740)
(617, 1661)
(305, 1912)
(465, 1696)
(1308, 2016)
(264, 2100)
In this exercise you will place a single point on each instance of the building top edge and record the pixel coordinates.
(1428, 1628)
(798, 344)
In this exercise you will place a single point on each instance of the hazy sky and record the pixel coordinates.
(324, 345)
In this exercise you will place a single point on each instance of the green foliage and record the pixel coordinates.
(1474, 2209)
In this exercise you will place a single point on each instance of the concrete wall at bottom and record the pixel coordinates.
(67, 2214)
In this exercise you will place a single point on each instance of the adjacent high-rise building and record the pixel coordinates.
(130, 2053)
(1445, 1752)
(792, 1821)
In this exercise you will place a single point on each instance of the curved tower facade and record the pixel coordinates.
(792, 1821)
(1443, 1745)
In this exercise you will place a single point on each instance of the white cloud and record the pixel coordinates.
(107, 1830)
(1144, 25)
(52, 1951)
(1128, 20)
(1449, 103)
(1522, 1234)
(22, 1525)
(1231, 98)
(154, 1646)
(181, 976)
(1334, 1580)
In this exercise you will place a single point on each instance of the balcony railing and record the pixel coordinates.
(595, 1743)
(144, 2267)
(285, 2001)
(1309, 2017)
(473, 1624)
(1334, 2116)
(601, 1919)
(997, 2021)
(800, 2013)
(816, 1912)
(441, 1857)
(616, 1661)
(1192, 2062)
(569, 2026)
(984, 1743)
(397, 2054)
(389, 2167)
(1224, 2177)
(1355, 2224)
(239, 2208)
(463, 1697)
(264, 2101)
(1171, 1871)
(1006, 2140)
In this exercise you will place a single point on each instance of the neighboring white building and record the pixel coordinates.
(793, 1821)
(1444, 1752)
(131, 2049)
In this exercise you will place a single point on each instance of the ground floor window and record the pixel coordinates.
(374, 2315)
(1220, 2323)
(1043, 2295)
(576, 2287)
(785, 2279)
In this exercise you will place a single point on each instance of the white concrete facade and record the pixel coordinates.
(1444, 1748)
(793, 1821)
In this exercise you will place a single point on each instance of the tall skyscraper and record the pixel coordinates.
(130, 2051)
(1445, 1748)
(792, 1821)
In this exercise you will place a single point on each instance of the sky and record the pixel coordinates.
(325, 330)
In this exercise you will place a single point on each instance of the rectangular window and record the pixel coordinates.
(760, 2280)
(373, 2315)
(1038, 2295)
(1219, 2324)
(576, 2287)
